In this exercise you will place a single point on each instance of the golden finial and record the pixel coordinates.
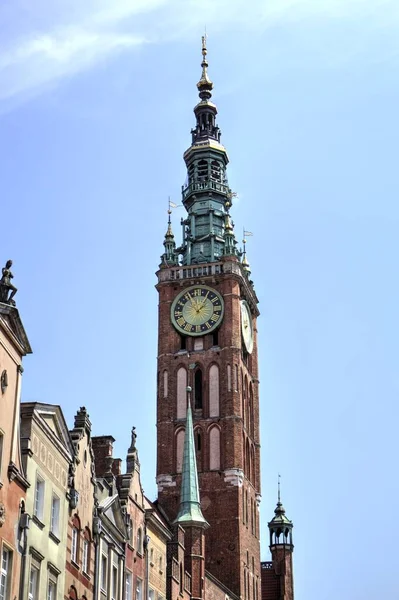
(204, 84)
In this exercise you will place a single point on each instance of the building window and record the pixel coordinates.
(74, 547)
(151, 594)
(214, 391)
(114, 582)
(33, 584)
(128, 586)
(179, 450)
(198, 389)
(55, 515)
(181, 393)
(52, 590)
(198, 440)
(85, 557)
(139, 589)
(214, 449)
(103, 572)
(6, 559)
(39, 498)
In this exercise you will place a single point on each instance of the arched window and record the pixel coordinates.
(179, 450)
(214, 391)
(75, 543)
(198, 389)
(72, 594)
(165, 384)
(181, 392)
(228, 378)
(86, 553)
(214, 449)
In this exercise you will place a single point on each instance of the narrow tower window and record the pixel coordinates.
(181, 393)
(198, 390)
(214, 391)
(214, 449)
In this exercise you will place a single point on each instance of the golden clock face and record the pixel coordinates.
(246, 327)
(197, 310)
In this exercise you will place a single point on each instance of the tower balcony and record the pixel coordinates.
(203, 186)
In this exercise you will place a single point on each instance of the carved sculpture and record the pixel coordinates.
(6, 286)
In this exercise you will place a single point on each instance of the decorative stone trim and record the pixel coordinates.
(164, 481)
(234, 477)
(2, 514)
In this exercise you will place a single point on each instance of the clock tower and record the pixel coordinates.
(207, 341)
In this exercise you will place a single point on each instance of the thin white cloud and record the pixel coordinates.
(50, 40)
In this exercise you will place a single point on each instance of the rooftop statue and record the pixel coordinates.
(6, 286)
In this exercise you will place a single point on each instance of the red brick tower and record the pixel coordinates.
(208, 340)
(277, 574)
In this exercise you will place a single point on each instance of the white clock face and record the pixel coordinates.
(246, 327)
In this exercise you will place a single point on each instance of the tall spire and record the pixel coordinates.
(190, 513)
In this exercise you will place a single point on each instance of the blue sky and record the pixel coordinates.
(96, 106)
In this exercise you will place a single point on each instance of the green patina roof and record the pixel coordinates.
(190, 513)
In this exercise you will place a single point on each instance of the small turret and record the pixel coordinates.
(169, 257)
(281, 548)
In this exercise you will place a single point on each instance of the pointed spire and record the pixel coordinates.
(190, 513)
(169, 257)
(204, 85)
(245, 264)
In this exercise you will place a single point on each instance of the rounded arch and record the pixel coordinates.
(72, 594)
(213, 390)
(214, 448)
(181, 376)
(76, 522)
(87, 534)
(179, 445)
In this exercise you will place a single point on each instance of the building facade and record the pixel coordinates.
(14, 345)
(47, 453)
(133, 505)
(80, 551)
